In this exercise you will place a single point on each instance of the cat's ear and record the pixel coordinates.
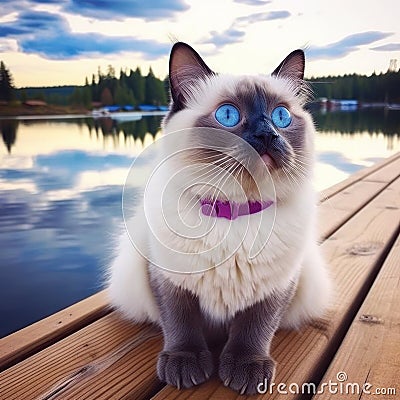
(185, 68)
(292, 66)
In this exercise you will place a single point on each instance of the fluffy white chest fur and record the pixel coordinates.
(234, 280)
(237, 282)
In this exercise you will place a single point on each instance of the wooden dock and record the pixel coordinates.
(87, 352)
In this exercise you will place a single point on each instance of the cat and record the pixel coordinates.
(244, 300)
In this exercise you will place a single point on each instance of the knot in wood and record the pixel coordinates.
(364, 248)
(370, 319)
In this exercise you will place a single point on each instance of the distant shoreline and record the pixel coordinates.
(22, 110)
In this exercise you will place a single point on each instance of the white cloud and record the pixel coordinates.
(387, 47)
(346, 45)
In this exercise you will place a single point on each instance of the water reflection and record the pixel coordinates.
(105, 127)
(8, 129)
(137, 129)
(60, 197)
(371, 120)
(349, 141)
(60, 204)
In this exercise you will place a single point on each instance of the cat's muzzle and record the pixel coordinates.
(262, 136)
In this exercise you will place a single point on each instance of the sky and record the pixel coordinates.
(58, 42)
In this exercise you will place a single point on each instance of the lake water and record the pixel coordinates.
(60, 197)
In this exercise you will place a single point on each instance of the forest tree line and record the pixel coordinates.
(376, 88)
(130, 88)
(134, 88)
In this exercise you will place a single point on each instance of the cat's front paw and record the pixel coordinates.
(245, 373)
(184, 369)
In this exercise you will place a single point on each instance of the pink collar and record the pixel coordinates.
(230, 209)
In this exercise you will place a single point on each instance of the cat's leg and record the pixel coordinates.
(245, 361)
(313, 291)
(185, 360)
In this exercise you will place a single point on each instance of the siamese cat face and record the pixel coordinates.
(265, 111)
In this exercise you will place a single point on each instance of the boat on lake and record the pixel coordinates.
(126, 116)
(117, 115)
(127, 112)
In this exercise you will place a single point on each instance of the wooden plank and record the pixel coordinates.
(35, 337)
(128, 381)
(357, 176)
(115, 356)
(335, 211)
(370, 351)
(339, 207)
(342, 205)
(386, 173)
(354, 254)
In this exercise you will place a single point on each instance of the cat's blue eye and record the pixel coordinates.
(227, 115)
(281, 117)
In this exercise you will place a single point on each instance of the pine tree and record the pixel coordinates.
(162, 97)
(136, 82)
(123, 95)
(95, 89)
(6, 83)
(110, 72)
(152, 88)
(155, 89)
